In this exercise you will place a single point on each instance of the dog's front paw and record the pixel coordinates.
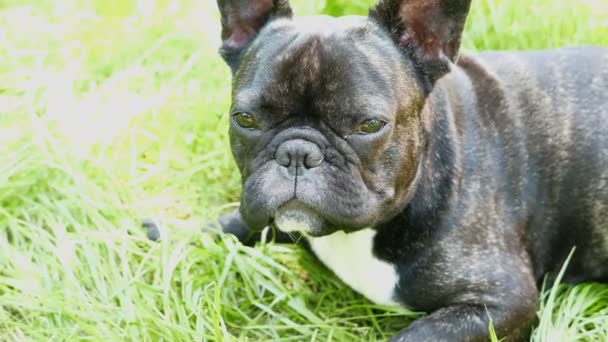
(470, 322)
(153, 229)
(423, 333)
(233, 223)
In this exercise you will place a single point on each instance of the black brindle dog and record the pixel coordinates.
(445, 183)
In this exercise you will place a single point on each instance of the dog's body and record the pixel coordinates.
(463, 189)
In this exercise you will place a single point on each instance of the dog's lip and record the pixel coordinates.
(291, 207)
(294, 203)
(294, 216)
(297, 205)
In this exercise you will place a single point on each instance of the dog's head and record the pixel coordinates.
(326, 112)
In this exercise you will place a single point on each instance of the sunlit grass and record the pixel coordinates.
(111, 111)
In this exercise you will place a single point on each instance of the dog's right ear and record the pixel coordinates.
(430, 31)
(241, 22)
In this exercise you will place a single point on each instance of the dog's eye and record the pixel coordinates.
(245, 120)
(370, 126)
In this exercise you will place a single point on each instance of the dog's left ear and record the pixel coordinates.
(242, 20)
(429, 31)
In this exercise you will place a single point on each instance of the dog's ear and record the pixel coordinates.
(241, 22)
(429, 30)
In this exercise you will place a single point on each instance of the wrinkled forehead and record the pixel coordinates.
(335, 61)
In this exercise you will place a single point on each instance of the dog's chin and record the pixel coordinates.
(294, 217)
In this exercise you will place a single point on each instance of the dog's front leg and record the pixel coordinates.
(470, 322)
(233, 223)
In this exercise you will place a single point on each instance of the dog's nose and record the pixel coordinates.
(299, 152)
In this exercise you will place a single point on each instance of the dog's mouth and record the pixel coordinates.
(294, 216)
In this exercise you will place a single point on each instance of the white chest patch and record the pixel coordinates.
(350, 257)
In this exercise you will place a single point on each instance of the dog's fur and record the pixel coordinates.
(490, 168)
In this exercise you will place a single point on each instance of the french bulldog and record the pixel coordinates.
(446, 183)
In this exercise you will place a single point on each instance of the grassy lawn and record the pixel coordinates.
(115, 110)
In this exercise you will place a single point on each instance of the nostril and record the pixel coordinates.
(283, 158)
(313, 159)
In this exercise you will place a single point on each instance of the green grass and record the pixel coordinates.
(111, 111)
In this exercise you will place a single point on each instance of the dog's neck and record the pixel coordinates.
(440, 169)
